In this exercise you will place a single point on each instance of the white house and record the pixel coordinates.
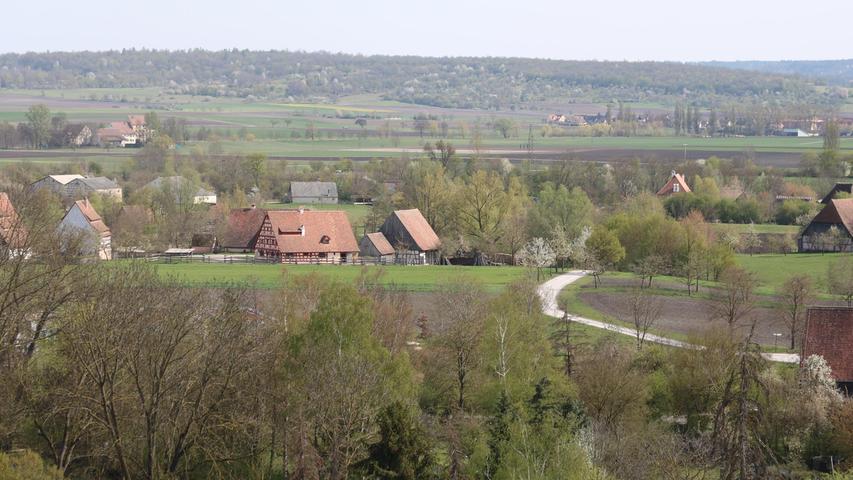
(82, 219)
(183, 189)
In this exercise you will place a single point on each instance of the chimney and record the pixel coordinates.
(253, 206)
(672, 173)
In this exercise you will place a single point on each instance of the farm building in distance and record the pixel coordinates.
(831, 230)
(13, 234)
(242, 228)
(675, 184)
(97, 238)
(131, 132)
(839, 188)
(306, 236)
(85, 186)
(375, 245)
(313, 192)
(829, 333)
(184, 190)
(55, 183)
(413, 239)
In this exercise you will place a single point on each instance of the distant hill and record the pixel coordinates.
(485, 83)
(838, 72)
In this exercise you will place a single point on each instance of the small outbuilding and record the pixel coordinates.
(375, 245)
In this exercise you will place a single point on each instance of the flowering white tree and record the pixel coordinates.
(537, 254)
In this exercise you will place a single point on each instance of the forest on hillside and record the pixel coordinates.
(836, 72)
(458, 82)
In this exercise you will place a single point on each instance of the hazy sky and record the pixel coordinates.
(567, 29)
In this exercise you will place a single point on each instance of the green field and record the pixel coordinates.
(772, 269)
(410, 278)
(759, 228)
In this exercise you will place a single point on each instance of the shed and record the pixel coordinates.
(413, 239)
(377, 246)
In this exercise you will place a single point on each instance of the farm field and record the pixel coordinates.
(426, 278)
(759, 228)
(773, 269)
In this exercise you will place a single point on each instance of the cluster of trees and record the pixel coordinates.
(446, 82)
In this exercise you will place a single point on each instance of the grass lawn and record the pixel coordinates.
(425, 278)
(773, 269)
(759, 228)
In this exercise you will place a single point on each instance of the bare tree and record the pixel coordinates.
(734, 301)
(796, 293)
(644, 309)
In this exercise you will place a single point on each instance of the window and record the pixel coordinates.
(675, 188)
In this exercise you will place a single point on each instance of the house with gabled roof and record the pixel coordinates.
(829, 333)
(676, 184)
(837, 215)
(95, 237)
(242, 227)
(13, 233)
(54, 183)
(375, 245)
(313, 192)
(306, 236)
(413, 239)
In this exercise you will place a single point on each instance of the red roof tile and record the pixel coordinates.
(380, 243)
(419, 229)
(242, 228)
(92, 216)
(675, 178)
(829, 333)
(310, 231)
(12, 231)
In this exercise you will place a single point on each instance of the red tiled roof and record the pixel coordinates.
(312, 231)
(829, 333)
(92, 216)
(121, 127)
(837, 211)
(242, 227)
(12, 231)
(675, 178)
(419, 229)
(380, 243)
(136, 120)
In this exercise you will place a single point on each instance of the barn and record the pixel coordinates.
(305, 236)
(816, 237)
(412, 238)
(313, 192)
(242, 229)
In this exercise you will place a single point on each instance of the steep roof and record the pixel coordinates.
(122, 127)
(12, 231)
(837, 212)
(419, 229)
(136, 120)
(92, 217)
(242, 227)
(299, 231)
(675, 178)
(839, 187)
(99, 183)
(380, 243)
(829, 333)
(313, 189)
(64, 179)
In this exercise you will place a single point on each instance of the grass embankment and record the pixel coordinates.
(425, 278)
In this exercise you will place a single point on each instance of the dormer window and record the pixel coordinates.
(325, 239)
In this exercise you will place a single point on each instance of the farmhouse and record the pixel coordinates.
(829, 333)
(242, 228)
(82, 219)
(54, 183)
(676, 184)
(313, 192)
(839, 188)
(183, 189)
(305, 236)
(13, 234)
(819, 235)
(85, 186)
(412, 238)
(77, 135)
(375, 245)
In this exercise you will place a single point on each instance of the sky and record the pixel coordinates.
(587, 30)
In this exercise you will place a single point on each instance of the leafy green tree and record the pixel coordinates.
(26, 465)
(38, 120)
(403, 451)
(256, 165)
(605, 246)
(504, 126)
(559, 207)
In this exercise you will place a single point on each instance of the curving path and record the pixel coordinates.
(550, 291)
